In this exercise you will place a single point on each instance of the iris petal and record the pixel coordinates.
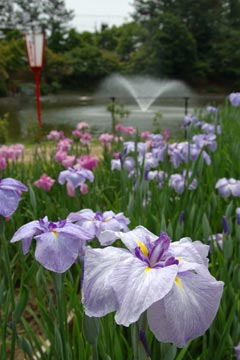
(188, 310)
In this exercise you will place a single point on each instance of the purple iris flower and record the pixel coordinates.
(96, 222)
(235, 98)
(75, 177)
(58, 244)
(228, 187)
(149, 160)
(211, 109)
(190, 119)
(237, 351)
(10, 195)
(192, 152)
(131, 146)
(157, 175)
(170, 281)
(238, 215)
(210, 128)
(208, 140)
(225, 225)
(216, 240)
(179, 181)
(176, 157)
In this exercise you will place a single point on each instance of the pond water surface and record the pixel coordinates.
(65, 111)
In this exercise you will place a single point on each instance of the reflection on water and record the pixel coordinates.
(64, 112)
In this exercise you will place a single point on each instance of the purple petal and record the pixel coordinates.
(187, 310)
(98, 296)
(12, 184)
(26, 233)
(82, 215)
(57, 252)
(9, 202)
(185, 250)
(130, 238)
(138, 287)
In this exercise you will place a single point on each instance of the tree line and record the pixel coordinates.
(194, 41)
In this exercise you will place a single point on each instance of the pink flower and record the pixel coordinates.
(87, 162)
(76, 133)
(82, 125)
(119, 127)
(44, 182)
(145, 135)
(3, 163)
(166, 133)
(60, 156)
(84, 189)
(65, 144)
(3, 151)
(106, 138)
(85, 138)
(12, 151)
(70, 189)
(116, 155)
(129, 130)
(56, 135)
(68, 161)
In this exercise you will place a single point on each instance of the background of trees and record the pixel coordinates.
(195, 41)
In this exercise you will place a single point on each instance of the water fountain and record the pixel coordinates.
(143, 89)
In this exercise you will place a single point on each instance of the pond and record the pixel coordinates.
(63, 112)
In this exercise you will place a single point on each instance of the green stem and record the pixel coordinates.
(61, 312)
(9, 281)
(94, 352)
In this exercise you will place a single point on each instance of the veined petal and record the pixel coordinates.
(188, 310)
(82, 215)
(139, 286)
(76, 231)
(98, 295)
(129, 238)
(185, 250)
(57, 251)
(9, 201)
(26, 234)
(12, 184)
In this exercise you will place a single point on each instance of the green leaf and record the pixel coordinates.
(21, 304)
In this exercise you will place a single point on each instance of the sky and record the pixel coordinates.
(90, 14)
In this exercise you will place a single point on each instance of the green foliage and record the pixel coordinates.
(193, 41)
(4, 124)
(45, 310)
(156, 122)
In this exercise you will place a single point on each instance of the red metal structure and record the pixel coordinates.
(35, 43)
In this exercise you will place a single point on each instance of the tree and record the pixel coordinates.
(55, 20)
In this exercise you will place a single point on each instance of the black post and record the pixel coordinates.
(113, 114)
(186, 105)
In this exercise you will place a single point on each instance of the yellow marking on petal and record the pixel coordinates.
(178, 282)
(147, 269)
(142, 247)
(55, 233)
(107, 219)
(179, 259)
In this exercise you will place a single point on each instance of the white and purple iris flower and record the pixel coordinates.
(58, 244)
(96, 222)
(228, 187)
(170, 281)
(179, 182)
(74, 178)
(235, 98)
(10, 195)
